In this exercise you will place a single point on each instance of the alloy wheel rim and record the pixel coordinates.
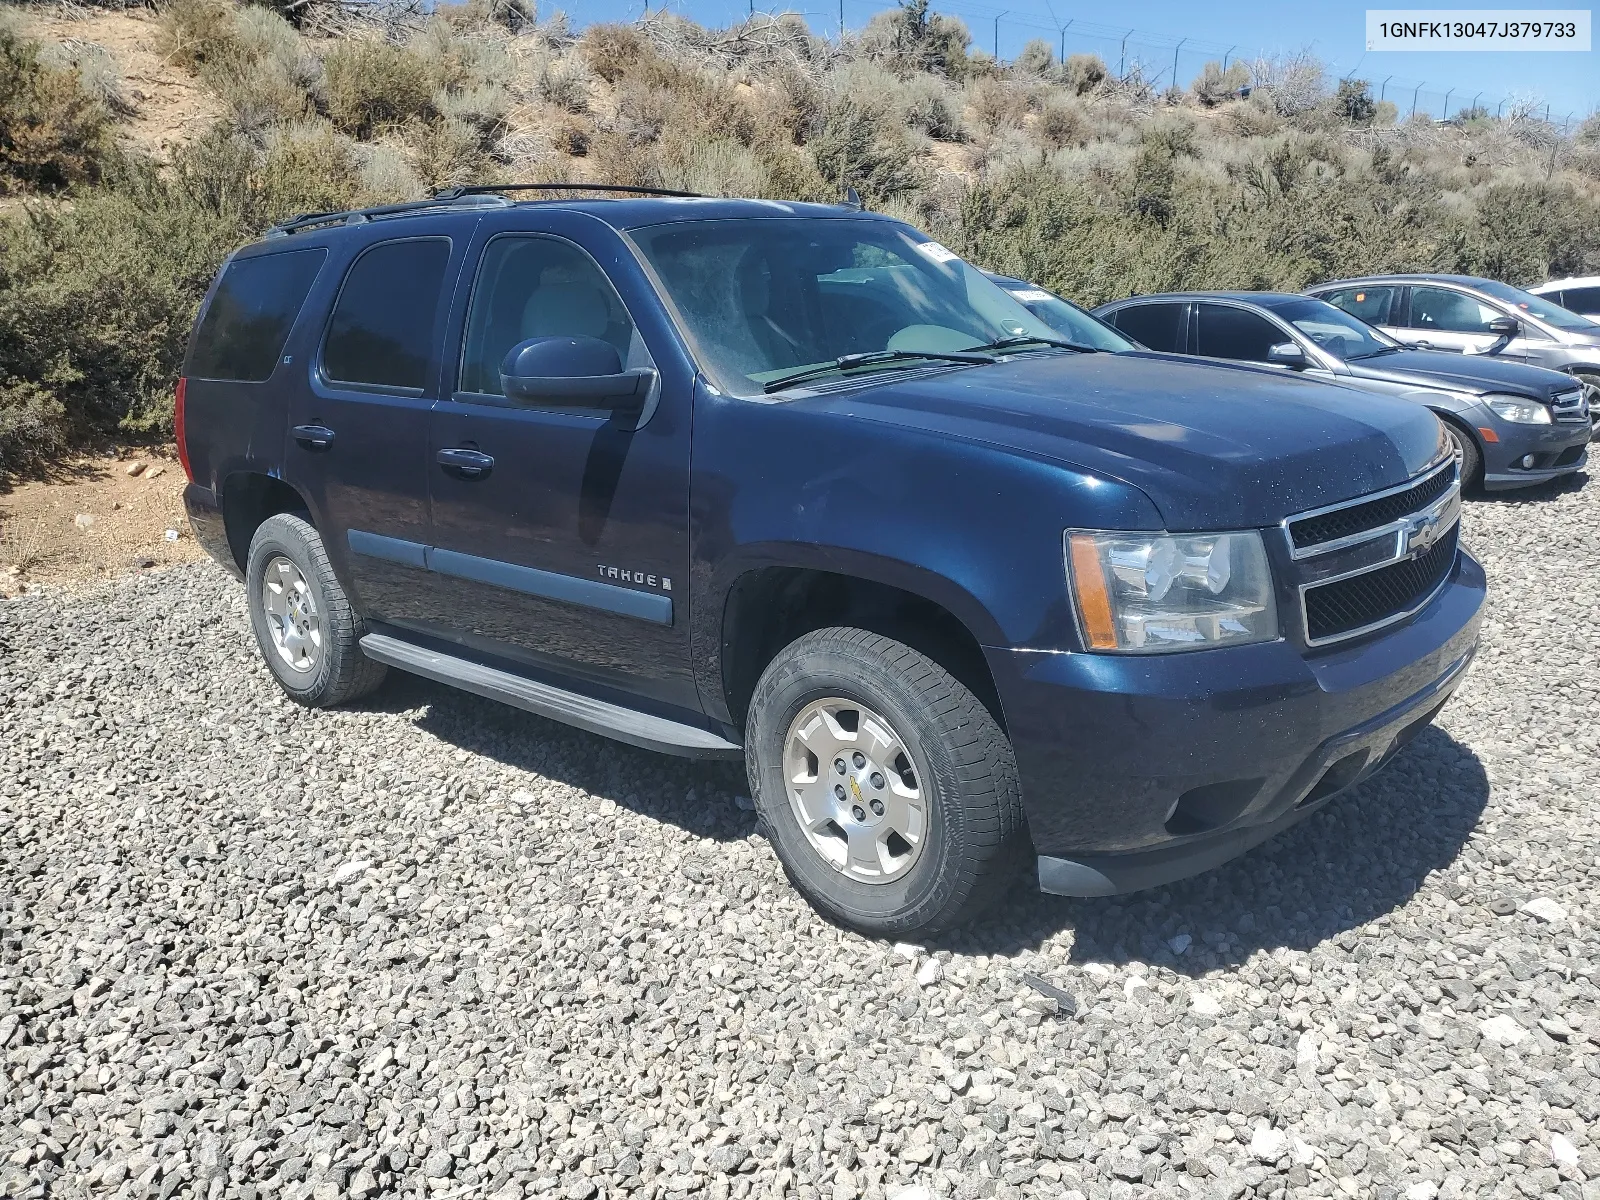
(854, 790)
(292, 617)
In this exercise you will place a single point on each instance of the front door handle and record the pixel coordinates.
(313, 437)
(465, 464)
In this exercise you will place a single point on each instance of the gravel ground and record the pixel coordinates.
(434, 946)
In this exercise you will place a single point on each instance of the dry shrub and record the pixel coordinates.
(194, 32)
(929, 105)
(1216, 85)
(612, 51)
(53, 132)
(384, 174)
(997, 104)
(562, 82)
(446, 152)
(1061, 124)
(312, 161)
(1250, 120)
(1036, 59)
(857, 147)
(97, 71)
(1083, 73)
(373, 86)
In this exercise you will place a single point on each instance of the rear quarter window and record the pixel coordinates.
(250, 315)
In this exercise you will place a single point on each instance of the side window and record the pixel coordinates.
(1154, 326)
(1583, 300)
(251, 313)
(1226, 332)
(1370, 304)
(1449, 311)
(383, 328)
(531, 287)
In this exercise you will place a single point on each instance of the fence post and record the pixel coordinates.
(1122, 63)
(1446, 115)
(1175, 54)
(1414, 96)
(1002, 13)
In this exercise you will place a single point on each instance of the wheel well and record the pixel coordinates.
(248, 499)
(769, 608)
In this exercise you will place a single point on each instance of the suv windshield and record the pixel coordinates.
(1335, 330)
(767, 297)
(1527, 302)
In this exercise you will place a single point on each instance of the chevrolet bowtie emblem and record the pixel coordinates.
(1421, 532)
(855, 790)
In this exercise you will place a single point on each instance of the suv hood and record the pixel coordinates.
(1478, 374)
(1211, 445)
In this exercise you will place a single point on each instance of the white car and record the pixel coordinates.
(1581, 296)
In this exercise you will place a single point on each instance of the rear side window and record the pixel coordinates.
(1155, 326)
(1583, 300)
(384, 326)
(1374, 305)
(1234, 333)
(250, 315)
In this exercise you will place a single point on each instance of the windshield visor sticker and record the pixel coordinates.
(1031, 296)
(937, 252)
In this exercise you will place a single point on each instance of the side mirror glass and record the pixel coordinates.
(571, 372)
(1506, 327)
(1288, 354)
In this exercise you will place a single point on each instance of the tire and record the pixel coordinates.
(1471, 457)
(972, 840)
(318, 661)
(1591, 384)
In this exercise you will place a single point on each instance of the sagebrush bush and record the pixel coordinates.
(374, 86)
(53, 131)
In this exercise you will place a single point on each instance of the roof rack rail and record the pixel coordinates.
(357, 216)
(481, 189)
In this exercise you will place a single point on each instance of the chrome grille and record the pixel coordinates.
(1570, 406)
(1372, 561)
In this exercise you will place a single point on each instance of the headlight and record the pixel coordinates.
(1153, 593)
(1518, 411)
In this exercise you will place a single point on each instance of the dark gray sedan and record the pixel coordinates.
(1514, 424)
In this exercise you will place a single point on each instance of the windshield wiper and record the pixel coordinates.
(849, 362)
(1024, 339)
(1374, 353)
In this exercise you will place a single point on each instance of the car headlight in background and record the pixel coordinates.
(1518, 410)
(1154, 593)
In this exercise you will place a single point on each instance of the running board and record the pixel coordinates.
(570, 708)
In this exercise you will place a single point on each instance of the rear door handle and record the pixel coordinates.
(465, 464)
(313, 437)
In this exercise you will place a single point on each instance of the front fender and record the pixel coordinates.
(972, 527)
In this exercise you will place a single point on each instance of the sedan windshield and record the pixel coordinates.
(1535, 306)
(1335, 330)
(765, 298)
(1070, 321)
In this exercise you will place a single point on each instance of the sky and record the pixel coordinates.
(1335, 30)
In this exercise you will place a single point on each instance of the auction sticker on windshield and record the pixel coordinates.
(937, 252)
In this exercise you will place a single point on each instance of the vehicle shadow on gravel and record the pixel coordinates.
(1362, 856)
(697, 796)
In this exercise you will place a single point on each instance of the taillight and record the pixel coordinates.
(178, 430)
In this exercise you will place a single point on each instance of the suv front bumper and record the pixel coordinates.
(1138, 771)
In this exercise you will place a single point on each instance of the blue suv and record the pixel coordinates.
(794, 484)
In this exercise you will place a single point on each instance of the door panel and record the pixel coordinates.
(357, 447)
(570, 551)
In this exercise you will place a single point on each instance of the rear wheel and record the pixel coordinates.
(308, 632)
(889, 791)
(1471, 457)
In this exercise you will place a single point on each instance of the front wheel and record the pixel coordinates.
(888, 790)
(1591, 387)
(1471, 456)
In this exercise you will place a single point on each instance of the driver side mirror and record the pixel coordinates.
(572, 372)
(1288, 354)
(1506, 327)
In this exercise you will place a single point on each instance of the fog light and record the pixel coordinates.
(1527, 460)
